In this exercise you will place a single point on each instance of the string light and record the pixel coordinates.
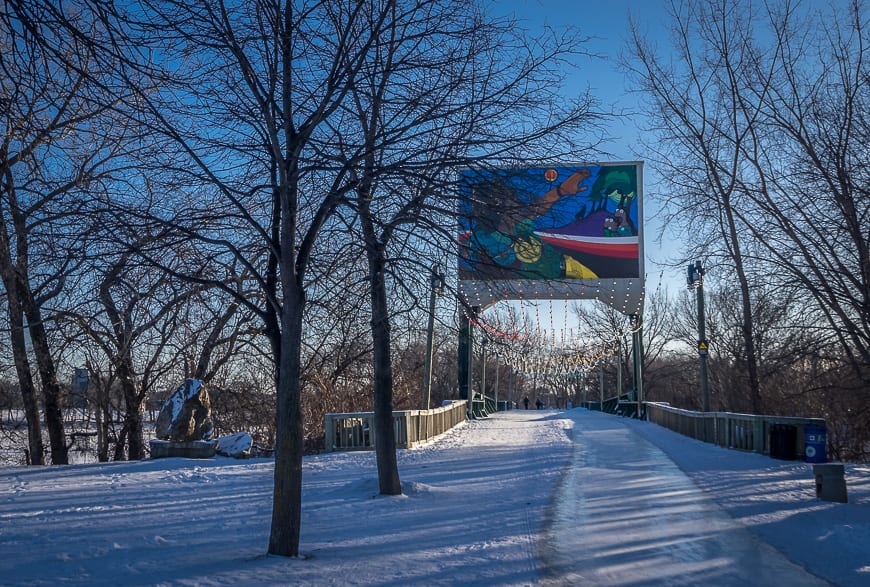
(543, 348)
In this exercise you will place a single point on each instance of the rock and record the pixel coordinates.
(186, 415)
(236, 445)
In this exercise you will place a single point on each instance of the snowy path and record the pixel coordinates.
(520, 498)
(471, 514)
(626, 515)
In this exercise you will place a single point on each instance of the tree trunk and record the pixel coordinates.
(10, 280)
(102, 417)
(133, 419)
(287, 497)
(385, 434)
(747, 328)
(120, 444)
(25, 382)
(123, 364)
(52, 395)
(133, 409)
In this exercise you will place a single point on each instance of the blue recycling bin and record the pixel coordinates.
(815, 443)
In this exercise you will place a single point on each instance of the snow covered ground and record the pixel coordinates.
(520, 498)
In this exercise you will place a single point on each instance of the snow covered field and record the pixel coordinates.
(520, 498)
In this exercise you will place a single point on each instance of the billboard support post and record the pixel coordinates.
(463, 352)
(466, 358)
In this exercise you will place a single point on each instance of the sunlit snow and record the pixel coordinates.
(520, 498)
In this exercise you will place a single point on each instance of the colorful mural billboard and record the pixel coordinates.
(570, 222)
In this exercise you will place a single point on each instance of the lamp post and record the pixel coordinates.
(695, 278)
(495, 390)
(483, 341)
(601, 386)
(436, 282)
(637, 353)
(619, 370)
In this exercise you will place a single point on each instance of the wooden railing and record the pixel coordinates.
(727, 429)
(356, 430)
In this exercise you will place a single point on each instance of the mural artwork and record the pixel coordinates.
(574, 222)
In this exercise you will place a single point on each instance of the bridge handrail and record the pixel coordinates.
(611, 404)
(356, 430)
(728, 429)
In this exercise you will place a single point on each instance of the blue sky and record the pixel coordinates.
(606, 22)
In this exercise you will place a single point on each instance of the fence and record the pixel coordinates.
(356, 430)
(624, 405)
(727, 429)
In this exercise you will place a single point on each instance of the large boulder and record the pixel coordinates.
(186, 415)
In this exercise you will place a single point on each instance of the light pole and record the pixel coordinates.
(601, 386)
(695, 279)
(483, 370)
(513, 362)
(637, 353)
(619, 370)
(436, 281)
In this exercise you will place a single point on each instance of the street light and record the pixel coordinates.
(637, 348)
(695, 279)
(436, 283)
(483, 342)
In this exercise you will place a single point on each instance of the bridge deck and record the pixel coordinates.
(625, 514)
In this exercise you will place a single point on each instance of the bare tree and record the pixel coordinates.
(244, 95)
(811, 189)
(440, 88)
(613, 331)
(135, 320)
(772, 97)
(250, 104)
(699, 134)
(61, 140)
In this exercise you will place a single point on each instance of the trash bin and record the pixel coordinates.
(783, 442)
(815, 443)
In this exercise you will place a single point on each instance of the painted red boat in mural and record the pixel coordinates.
(597, 243)
(623, 247)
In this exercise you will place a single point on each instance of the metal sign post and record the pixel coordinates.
(695, 279)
